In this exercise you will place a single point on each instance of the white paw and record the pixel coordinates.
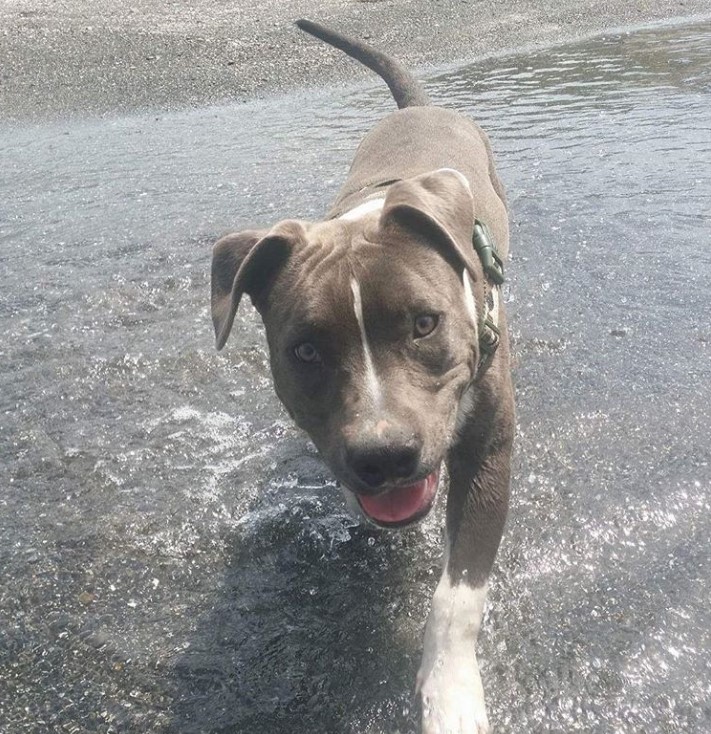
(453, 698)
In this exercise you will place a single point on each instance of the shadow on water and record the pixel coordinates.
(175, 556)
(314, 627)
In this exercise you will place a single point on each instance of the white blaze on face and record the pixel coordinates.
(371, 378)
(372, 205)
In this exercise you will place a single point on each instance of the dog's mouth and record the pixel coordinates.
(401, 505)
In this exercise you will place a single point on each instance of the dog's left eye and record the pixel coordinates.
(425, 324)
(307, 352)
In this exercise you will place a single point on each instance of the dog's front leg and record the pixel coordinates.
(449, 684)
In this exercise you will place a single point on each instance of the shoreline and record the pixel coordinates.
(114, 59)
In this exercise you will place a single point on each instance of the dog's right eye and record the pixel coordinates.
(425, 324)
(307, 352)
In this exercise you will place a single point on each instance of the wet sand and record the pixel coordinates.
(119, 56)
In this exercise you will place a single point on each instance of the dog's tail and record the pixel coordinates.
(404, 87)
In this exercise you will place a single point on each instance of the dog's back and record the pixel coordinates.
(416, 139)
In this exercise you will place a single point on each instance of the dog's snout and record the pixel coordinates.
(376, 463)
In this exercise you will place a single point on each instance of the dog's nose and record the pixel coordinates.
(376, 463)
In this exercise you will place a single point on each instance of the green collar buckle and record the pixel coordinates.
(486, 249)
(489, 333)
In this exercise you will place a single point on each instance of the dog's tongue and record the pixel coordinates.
(400, 504)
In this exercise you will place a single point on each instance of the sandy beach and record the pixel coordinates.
(78, 58)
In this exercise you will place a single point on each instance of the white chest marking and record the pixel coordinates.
(372, 205)
(494, 313)
(466, 405)
(469, 300)
(371, 378)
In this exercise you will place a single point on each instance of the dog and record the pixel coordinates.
(388, 345)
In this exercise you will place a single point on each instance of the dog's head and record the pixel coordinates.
(372, 331)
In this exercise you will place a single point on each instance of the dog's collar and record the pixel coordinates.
(493, 266)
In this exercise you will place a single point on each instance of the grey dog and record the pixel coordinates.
(388, 346)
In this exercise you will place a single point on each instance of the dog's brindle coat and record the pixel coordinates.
(372, 318)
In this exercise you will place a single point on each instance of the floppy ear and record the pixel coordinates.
(438, 205)
(246, 262)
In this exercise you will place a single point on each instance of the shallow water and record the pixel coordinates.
(174, 555)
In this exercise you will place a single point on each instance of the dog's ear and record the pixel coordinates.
(438, 205)
(247, 262)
